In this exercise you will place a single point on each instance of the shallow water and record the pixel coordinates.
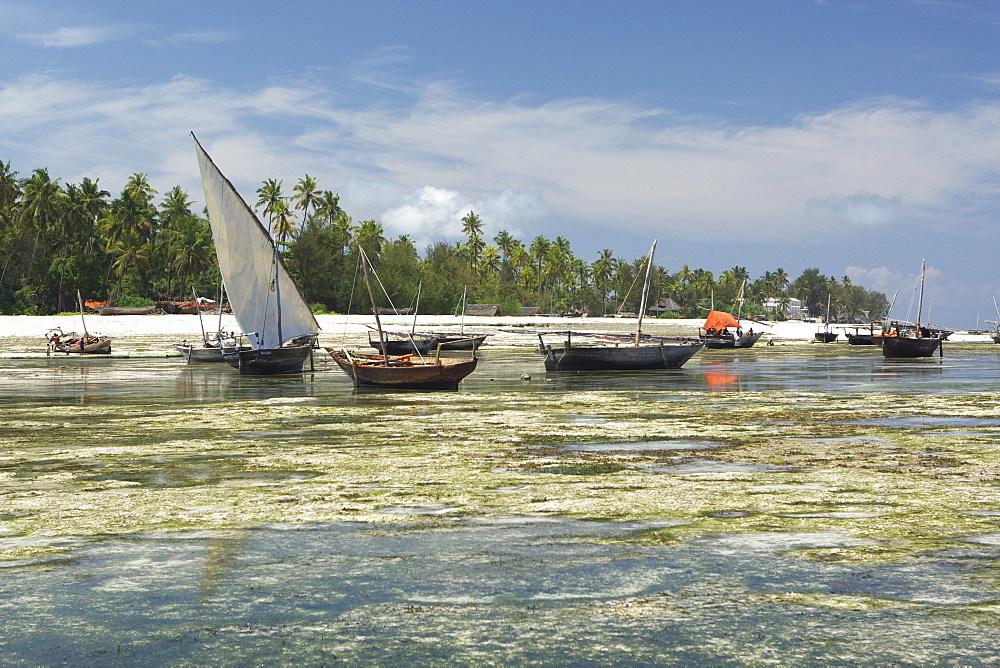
(787, 504)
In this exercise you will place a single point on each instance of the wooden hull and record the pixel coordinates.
(420, 344)
(267, 361)
(201, 352)
(122, 310)
(995, 336)
(100, 345)
(404, 372)
(902, 347)
(864, 339)
(624, 357)
(826, 337)
(461, 341)
(717, 341)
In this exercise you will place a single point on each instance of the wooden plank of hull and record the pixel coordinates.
(461, 342)
(101, 347)
(619, 358)
(443, 374)
(864, 340)
(267, 361)
(405, 346)
(199, 353)
(124, 310)
(826, 337)
(901, 347)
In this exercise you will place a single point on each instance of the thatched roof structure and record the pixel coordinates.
(482, 309)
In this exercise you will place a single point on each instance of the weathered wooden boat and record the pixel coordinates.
(618, 356)
(278, 325)
(715, 332)
(401, 372)
(207, 350)
(637, 354)
(402, 343)
(825, 335)
(904, 342)
(404, 372)
(80, 344)
(859, 338)
(126, 310)
(461, 341)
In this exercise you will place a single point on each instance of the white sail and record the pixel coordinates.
(254, 275)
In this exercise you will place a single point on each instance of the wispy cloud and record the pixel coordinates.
(66, 38)
(194, 39)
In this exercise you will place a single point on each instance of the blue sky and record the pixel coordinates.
(853, 136)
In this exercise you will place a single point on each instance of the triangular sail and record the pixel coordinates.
(720, 320)
(254, 274)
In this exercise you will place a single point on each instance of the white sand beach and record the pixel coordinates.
(27, 333)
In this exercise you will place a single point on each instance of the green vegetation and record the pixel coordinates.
(58, 239)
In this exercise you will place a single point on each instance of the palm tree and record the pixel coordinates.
(602, 270)
(472, 224)
(268, 198)
(306, 195)
(10, 192)
(40, 208)
(282, 227)
(130, 252)
(505, 243)
(368, 234)
(328, 206)
(491, 260)
(539, 252)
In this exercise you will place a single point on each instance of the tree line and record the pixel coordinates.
(132, 249)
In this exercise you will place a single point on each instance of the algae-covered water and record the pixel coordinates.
(787, 504)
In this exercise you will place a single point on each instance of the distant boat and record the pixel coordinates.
(860, 338)
(995, 334)
(276, 321)
(825, 335)
(918, 341)
(79, 344)
(413, 371)
(715, 333)
(210, 348)
(635, 354)
(462, 340)
(401, 343)
(126, 310)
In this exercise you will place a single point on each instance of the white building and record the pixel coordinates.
(793, 310)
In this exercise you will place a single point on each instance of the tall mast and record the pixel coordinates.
(645, 292)
(416, 309)
(920, 301)
(79, 300)
(277, 292)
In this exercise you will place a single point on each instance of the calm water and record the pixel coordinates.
(490, 586)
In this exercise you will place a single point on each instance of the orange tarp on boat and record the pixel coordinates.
(91, 303)
(720, 320)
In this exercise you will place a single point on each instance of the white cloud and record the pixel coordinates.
(605, 164)
(65, 38)
(861, 208)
